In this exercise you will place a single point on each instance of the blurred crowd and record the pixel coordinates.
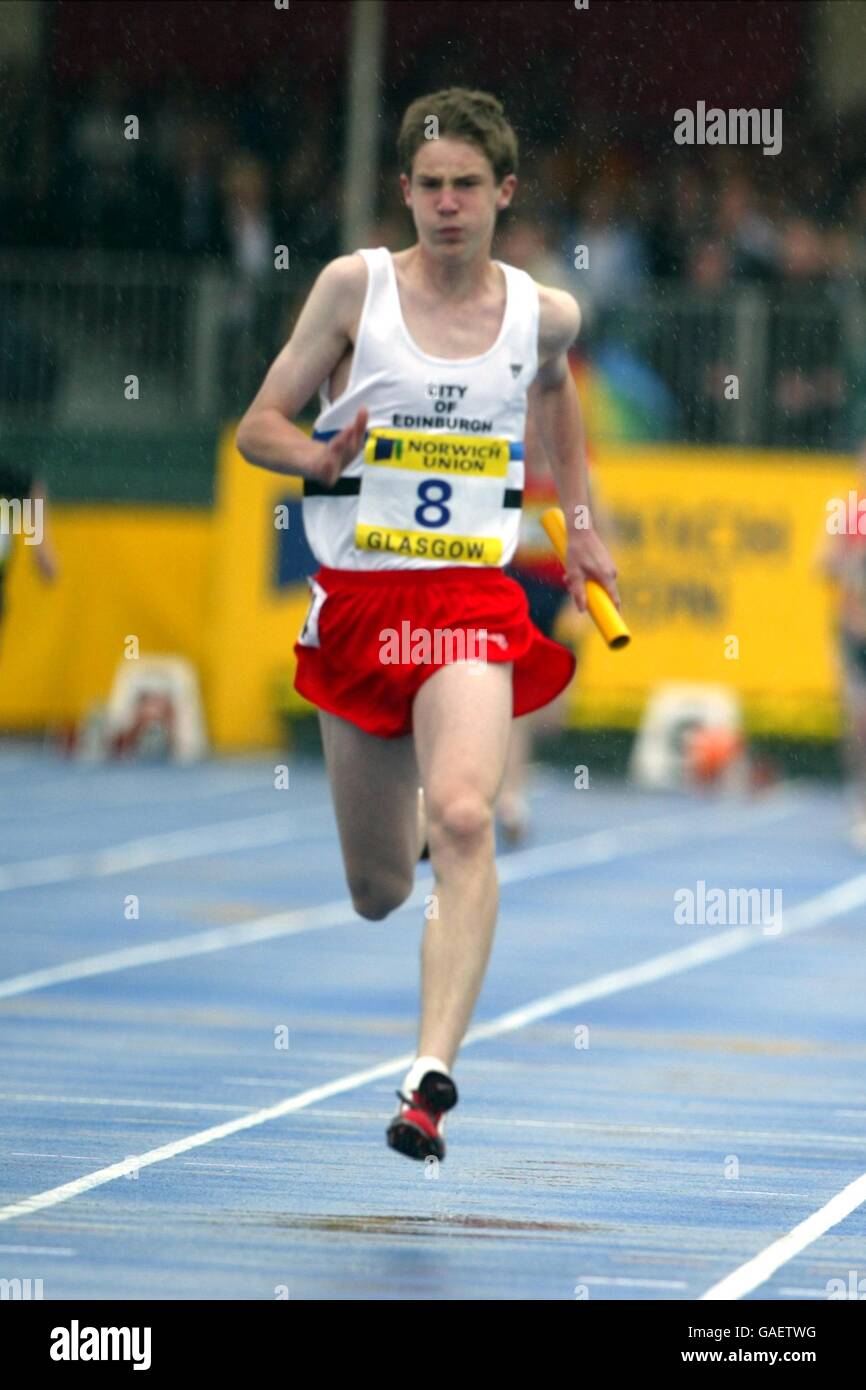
(206, 176)
(229, 175)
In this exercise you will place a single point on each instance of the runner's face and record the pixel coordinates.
(454, 198)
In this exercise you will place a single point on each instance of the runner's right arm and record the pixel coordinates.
(266, 436)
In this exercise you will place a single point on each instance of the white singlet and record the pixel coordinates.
(440, 478)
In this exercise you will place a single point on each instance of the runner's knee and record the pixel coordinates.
(461, 820)
(375, 896)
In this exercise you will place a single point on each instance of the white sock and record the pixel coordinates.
(418, 1069)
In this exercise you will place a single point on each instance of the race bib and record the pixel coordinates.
(433, 496)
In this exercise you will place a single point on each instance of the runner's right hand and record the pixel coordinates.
(337, 453)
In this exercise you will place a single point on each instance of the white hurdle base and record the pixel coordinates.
(674, 710)
(171, 678)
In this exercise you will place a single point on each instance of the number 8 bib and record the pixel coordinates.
(436, 497)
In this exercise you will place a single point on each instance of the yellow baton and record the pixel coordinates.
(602, 608)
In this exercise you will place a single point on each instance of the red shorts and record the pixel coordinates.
(372, 638)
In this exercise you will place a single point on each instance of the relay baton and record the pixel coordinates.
(602, 608)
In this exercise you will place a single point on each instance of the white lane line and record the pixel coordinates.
(121, 1102)
(805, 917)
(788, 1137)
(602, 846)
(221, 837)
(116, 795)
(758, 1270)
(757, 1192)
(336, 914)
(834, 902)
(36, 1250)
(633, 1283)
(55, 1195)
(595, 848)
(32, 1153)
(615, 1127)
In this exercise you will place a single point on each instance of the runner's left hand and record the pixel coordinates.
(588, 558)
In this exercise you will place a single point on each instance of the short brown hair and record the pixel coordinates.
(476, 117)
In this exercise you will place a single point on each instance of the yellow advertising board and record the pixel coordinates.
(125, 572)
(716, 554)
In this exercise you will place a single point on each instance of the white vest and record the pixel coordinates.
(440, 478)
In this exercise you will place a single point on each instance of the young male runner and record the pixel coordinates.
(425, 363)
(843, 560)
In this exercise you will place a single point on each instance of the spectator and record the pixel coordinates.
(308, 204)
(753, 240)
(105, 162)
(526, 243)
(805, 340)
(193, 195)
(616, 252)
(678, 223)
(248, 229)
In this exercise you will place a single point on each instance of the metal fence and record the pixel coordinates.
(122, 341)
(134, 341)
(754, 366)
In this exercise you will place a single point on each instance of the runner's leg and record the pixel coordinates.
(374, 786)
(462, 718)
(855, 748)
(512, 807)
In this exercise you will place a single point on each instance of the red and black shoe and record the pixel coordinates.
(418, 1128)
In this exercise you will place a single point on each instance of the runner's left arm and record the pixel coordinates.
(554, 406)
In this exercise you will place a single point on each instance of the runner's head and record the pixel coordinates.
(458, 163)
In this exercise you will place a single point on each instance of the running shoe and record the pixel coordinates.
(418, 1128)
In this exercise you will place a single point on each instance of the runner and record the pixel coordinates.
(843, 559)
(417, 649)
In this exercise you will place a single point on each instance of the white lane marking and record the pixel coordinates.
(221, 837)
(36, 1250)
(805, 1293)
(121, 1102)
(336, 914)
(633, 1283)
(600, 1126)
(53, 1196)
(510, 1022)
(834, 902)
(758, 1136)
(601, 846)
(757, 1192)
(111, 795)
(31, 1153)
(759, 1269)
(594, 848)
